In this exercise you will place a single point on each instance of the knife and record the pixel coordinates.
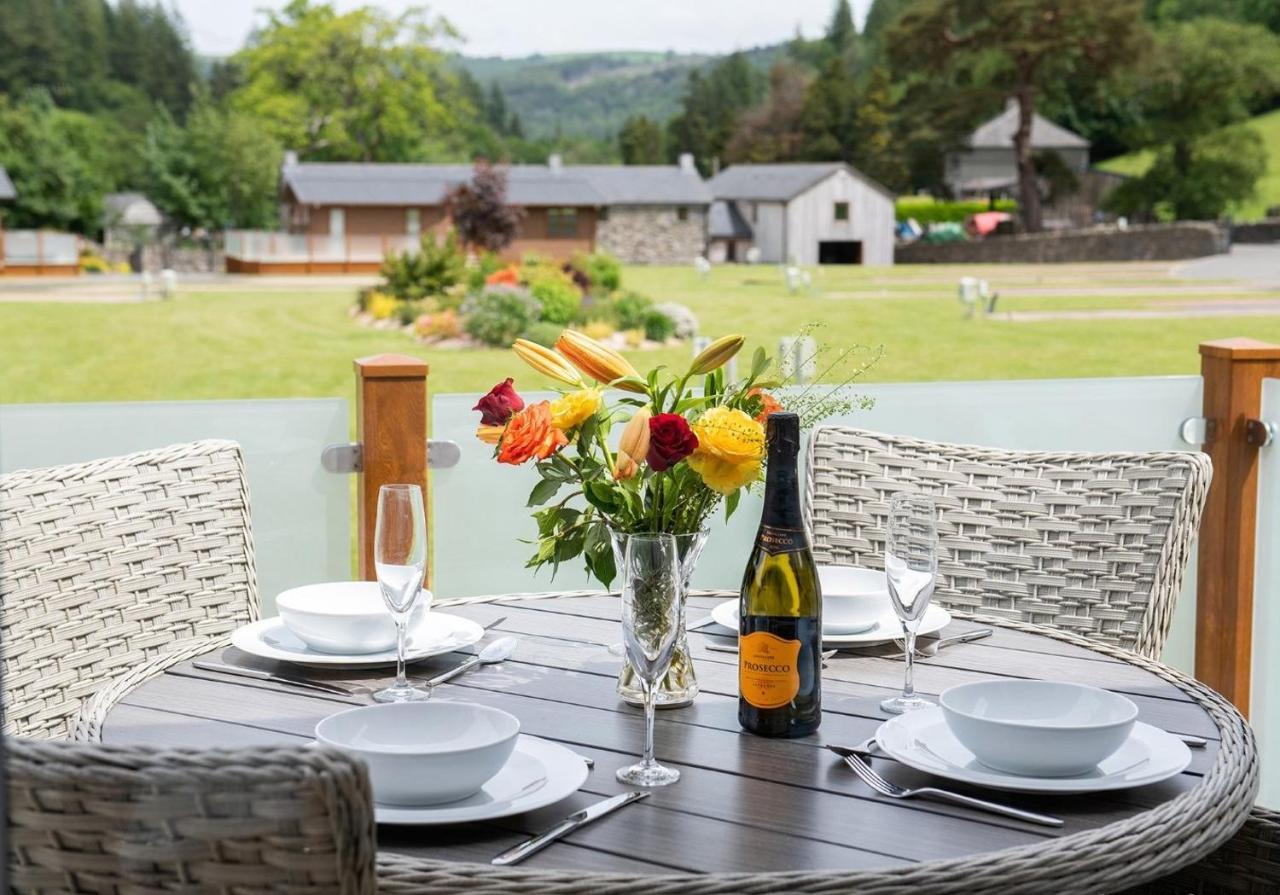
(254, 674)
(567, 826)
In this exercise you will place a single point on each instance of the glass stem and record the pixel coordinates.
(402, 682)
(649, 707)
(908, 688)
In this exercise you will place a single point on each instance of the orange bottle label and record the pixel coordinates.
(768, 672)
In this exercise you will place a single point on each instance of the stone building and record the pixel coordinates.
(986, 164)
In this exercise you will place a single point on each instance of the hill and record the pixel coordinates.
(591, 94)
(1268, 193)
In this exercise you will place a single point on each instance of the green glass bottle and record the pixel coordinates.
(780, 613)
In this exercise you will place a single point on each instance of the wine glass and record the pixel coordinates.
(652, 617)
(400, 558)
(911, 567)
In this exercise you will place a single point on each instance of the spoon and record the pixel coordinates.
(498, 651)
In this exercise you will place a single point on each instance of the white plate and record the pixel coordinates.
(539, 773)
(433, 633)
(922, 740)
(887, 626)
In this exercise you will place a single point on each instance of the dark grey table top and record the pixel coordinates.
(743, 803)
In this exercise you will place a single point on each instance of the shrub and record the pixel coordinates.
(658, 327)
(499, 316)
(504, 276)
(362, 297)
(409, 311)
(928, 210)
(544, 333)
(440, 325)
(634, 337)
(631, 308)
(601, 269)
(92, 262)
(686, 323)
(599, 330)
(432, 270)
(380, 305)
(478, 274)
(560, 301)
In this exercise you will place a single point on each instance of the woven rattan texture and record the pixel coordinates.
(1247, 865)
(1091, 543)
(112, 564)
(93, 818)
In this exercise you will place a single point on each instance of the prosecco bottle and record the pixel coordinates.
(780, 613)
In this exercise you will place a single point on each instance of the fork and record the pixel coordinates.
(894, 791)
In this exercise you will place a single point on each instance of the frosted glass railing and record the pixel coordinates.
(301, 514)
(40, 247)
(1265, 693)
(480, 514)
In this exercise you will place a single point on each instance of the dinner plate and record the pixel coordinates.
(922, 740)
(432, 633)
(539, 773)
(887, 626)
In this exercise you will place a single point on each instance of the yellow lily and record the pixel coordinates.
(716, 355)
(599, 362)
(546, 362)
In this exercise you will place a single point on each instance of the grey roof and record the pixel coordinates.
(6, 186)
(131, 210)
(726, 222)
(357, 183)
(998, 132)
(780, 182)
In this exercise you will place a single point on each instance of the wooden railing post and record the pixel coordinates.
(1233, 370)
(391, 426)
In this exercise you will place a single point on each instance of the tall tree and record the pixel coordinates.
(876, 151)
(830, 114)
(480, 212)
(709, 109)
(640, 141)
(773, 131)
(841, 32)
(1016, 47)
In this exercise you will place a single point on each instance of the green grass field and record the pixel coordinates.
(236, 341)
(1268, 191)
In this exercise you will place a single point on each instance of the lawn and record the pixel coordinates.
(1268, 190)
(252, 342)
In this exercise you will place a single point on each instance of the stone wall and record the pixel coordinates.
(1258, 231)
(652, 234)
(1155, 242)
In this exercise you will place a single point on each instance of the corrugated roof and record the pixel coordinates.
(780, 182)
(726, 222)
(355, 183)
(6, 186)
(998, 132)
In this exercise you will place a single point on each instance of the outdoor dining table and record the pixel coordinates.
(749, 805)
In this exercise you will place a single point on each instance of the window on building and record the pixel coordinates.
(413, 222)
(682, 213)
(603, 213)
(842, 211)
(562, 223)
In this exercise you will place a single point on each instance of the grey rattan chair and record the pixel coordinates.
(1247, 865)
(93, 818)
(112, 570)
(1091, 543)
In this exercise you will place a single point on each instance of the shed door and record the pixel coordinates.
(844, 251)
(337, 222)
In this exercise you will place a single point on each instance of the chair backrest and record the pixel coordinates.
(108, 564)
(1094, 543)
(118, 819)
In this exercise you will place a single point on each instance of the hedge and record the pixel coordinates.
(927, 210)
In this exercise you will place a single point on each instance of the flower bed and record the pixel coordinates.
(441, 296)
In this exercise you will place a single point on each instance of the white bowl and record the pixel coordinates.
(424, 753)
(343, 617)
(1038, 728)
(853, 599)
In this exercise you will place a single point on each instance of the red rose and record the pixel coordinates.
(498, 406)
(670, 441)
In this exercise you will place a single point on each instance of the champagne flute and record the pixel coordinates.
(652, 617)
(911, 568)
(400, 558)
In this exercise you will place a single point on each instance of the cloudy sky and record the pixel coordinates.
(521, 27)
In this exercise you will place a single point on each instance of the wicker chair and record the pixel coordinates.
(114, 570)
(93, 818)
(1091, 543)
(1249, 864)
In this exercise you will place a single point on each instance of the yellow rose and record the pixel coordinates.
(730, 448)
(570, 410)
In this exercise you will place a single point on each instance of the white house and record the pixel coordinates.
(986, 163)
(809, 213)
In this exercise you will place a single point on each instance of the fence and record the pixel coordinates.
(38, 252)
(262, 251)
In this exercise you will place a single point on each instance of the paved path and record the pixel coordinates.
(1264, 307)
(1257, 263)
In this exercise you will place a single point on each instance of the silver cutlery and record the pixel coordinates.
(704, 623)
(256, 675)
(498, 651)
(928, 648)
(493, 624)
(565, 827)
(1193, 742)
(891, 790)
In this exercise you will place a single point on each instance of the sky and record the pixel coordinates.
(523, 27)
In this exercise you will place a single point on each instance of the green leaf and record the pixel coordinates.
(731, 503)
(543, 492)
(602, 495)
(759, 363)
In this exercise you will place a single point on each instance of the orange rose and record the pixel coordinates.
(529, 435)
(768, 403)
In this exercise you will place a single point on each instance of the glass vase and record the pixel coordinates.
(680, 684)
